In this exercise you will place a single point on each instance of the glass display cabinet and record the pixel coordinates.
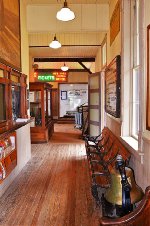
(40, 110)
(12, 106)
(13, 90)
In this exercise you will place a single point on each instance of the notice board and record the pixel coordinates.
(112, 87)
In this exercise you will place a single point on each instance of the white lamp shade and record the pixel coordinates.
(64, 68)
(65, 14)
(55, 44)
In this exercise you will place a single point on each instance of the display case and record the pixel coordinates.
(40, 110)
(13, 90)
(8, 155)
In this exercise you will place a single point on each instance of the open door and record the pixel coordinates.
(95, 103)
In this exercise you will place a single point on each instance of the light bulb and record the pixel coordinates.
(65, 14)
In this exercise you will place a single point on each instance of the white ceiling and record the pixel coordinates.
(69, 1)
(71, 65)
(67, 50)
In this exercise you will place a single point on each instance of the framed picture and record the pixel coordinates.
(148, 80)
(112, 87)
(10, 44)
(63, 95)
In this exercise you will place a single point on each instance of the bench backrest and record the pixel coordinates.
(117, 148)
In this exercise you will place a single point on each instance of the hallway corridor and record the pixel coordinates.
(53, 189)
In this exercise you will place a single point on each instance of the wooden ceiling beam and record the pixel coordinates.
(88, 70)
(65, 59)
(59, 70)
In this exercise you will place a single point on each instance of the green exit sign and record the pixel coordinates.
(46, 78)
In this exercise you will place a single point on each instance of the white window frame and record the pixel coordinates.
(127, 68)
(134, 125)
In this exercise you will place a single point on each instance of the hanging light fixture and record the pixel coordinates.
(64, 67)
(65, 14)
(55, 44)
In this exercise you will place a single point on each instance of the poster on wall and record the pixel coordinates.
(148, 80)
(63, 95)
(112, 87)
(10, 49)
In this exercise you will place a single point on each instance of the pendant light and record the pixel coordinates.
(64, 67)
(65, 14)
(55, 44)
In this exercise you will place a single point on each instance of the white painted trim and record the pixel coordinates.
(146, 136)
(115, 119)
(132, 142)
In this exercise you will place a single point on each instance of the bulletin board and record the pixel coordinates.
(112, 87)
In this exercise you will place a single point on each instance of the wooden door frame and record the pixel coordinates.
(95, 106)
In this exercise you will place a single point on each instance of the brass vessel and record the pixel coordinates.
(114, 193)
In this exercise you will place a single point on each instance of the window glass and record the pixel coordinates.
(49, 104)
(135, 111)
(136, 34)
(15, 102)
(35, 106)
(2, 103)
(135, 72)
(1, 73)
(104, 52)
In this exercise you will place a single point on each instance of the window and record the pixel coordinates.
(135, 72)
(135, 103)
(2, 103)
(15, 102)
(104, 52)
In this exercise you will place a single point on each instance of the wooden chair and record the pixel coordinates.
(139, 217)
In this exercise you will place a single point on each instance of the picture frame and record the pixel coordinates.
(63, 95)
(112, 87)
(148, 80)
(10, 44)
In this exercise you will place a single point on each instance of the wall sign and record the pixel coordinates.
(46, 78)
(112, 87)
(52, 77)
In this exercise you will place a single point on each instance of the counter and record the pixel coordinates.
(23, 147)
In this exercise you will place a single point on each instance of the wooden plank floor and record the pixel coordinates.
(53, 189)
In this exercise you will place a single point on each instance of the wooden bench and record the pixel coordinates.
(139, 217)
(100, 145)
(101, 156)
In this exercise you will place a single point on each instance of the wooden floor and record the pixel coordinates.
(53, 189)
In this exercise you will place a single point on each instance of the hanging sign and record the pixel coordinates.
(52, 77)
(46, 78)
